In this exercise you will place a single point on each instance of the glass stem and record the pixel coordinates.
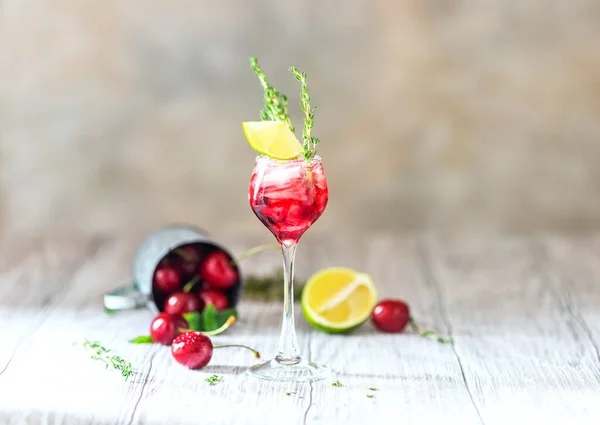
(288, 345)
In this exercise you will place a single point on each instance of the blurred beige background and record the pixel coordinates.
(463, 116)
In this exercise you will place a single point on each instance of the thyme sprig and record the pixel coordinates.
(309, 142)
(276, 103)
(104, 354)
(336, 383)
(276, 108)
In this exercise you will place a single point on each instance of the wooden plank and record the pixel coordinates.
(513, 307)
(573, 273)
(69, 387)
(34, 274)
(520, 356)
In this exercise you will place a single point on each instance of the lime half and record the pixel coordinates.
(338, 299)
(273, 139)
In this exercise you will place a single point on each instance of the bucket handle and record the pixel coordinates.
(126, 297)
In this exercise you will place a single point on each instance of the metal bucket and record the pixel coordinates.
(152, 251)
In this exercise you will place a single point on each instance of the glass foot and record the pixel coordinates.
(297, 370)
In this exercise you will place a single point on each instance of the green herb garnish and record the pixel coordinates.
(370, 396)
(276, 108)
(276, 103)
(214, 380)
(290, 393)
(103, 354)
(373, 389)
(309, 142)
(336, 383)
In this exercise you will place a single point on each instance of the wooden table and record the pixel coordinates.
(524, 314)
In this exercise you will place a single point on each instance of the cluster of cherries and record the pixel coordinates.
(189, 278)
(186, 281)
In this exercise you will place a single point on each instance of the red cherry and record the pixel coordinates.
(182, 302)
(217, 272)
(166, 327)
(187, 258)
(166, 279)
(216, 298)
(192, 349)
(189, 253)
(391, 315)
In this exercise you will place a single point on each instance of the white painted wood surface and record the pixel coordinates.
(524, 313)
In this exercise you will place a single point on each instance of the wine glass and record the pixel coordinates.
(288, 197)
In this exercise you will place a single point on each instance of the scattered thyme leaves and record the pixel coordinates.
(337, 383)
(103, 354)
(429, 334)
(214, 380)
(269, 287)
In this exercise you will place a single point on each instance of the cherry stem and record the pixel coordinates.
(188, 286)
(253, 251)
(425, 333)
(230, 321)
(183, 254)
(256, 353)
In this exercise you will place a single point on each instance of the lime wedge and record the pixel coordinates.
(338, 299)
(272, 138)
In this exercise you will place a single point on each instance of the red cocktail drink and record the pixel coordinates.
(288, 196)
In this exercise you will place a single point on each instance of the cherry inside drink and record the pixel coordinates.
(288, 196)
